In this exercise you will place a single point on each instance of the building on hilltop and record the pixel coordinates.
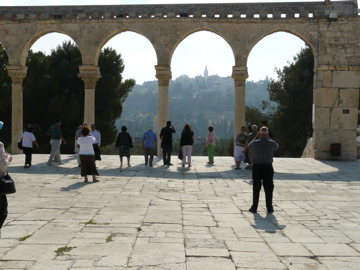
(206, 73)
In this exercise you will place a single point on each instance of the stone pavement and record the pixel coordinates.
(181, 218)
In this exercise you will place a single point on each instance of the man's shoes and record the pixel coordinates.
(249, 167)
(145, 164)
(170, 164)
(237, 168)
(26, 166)
(252, 211)
(61, 163)
(270, 211)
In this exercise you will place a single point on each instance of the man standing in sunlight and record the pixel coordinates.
(263, 152)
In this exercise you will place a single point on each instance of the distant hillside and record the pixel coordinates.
(191, 100)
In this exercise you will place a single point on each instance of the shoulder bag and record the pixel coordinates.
(7, 186)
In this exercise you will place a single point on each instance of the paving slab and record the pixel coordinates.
(160, 217)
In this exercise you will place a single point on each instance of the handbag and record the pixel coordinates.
(7, 186)
(180, 156)
(20, 145)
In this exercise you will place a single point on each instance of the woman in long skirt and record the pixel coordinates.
(87, 155)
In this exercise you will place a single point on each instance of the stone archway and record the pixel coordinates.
(334, 40)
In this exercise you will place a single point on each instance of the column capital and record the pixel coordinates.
(90, 75)
(239, 74)
(163, 74)
(17, 73)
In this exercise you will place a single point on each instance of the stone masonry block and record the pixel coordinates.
(343, 121)
(326, 97)
(323, 138)
(327, 78)
(322, 118)
(349, 97)
(350, 79)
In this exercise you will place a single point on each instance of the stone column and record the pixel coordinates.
(89, 74)
(336, 97)
(163, 74)
(17, 74)
(239, 75)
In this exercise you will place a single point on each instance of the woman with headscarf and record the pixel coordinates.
(123, 144)
(4, 161)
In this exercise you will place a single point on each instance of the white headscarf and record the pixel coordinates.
(3, 160)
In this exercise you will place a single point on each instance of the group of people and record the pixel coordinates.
(87, 147)
(242, 141)
(186, 143)
(149, 140)
(258, 149)
(259, 146)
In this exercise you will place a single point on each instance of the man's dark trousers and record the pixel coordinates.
(266, 174)
(28, 153)
(167, 149)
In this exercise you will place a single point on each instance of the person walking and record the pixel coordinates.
(87, 155)
(5, 159)
(149, 140)
(263, 152)
(186, 142)
(55, 141)
(240, 142)
(96, 134)
(166, 142)
(28, 139)
(210, 144)
(123, 144)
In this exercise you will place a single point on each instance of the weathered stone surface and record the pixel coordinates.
(315, 224)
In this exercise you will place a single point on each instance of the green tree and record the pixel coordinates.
(110, 94)
(52, 90)
(5, 98)
(253, 116)
(293, 92)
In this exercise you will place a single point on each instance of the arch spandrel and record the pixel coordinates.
(19, 50)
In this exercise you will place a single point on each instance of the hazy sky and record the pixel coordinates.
(192, 55)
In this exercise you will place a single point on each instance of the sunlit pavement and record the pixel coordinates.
(181, 218)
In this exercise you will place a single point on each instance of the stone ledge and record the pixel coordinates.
(319, 9)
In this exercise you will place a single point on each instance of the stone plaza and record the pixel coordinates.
(181, 218)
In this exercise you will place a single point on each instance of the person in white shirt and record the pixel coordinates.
(87, 157)
(96, 134)
(28, 139)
